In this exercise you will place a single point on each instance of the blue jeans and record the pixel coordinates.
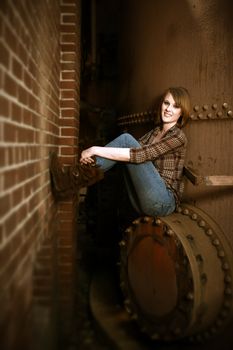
(146, 189)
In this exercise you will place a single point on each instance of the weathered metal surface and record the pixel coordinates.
(176, 274)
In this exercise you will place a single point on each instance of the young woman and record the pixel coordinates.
(154, 163)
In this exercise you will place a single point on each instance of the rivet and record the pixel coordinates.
(230, 113)
(185, 211)
(214, 106)
(134, 316)
(203, 278)
(196, 108)
(225, 105)
(213, 330)
(179, 210)
(218, 322)
(177, 331)
(200, 115)
(205, 107)
(206, 335)
(216, 242)
(228, 278)
(128, 230)
(225, 266)
(169, 232)
(190, 237)
(122, 243)
(224, 313)
(228, 291)
(158, 222)
(219, 114)
(221, 253)
(136, 222)
(198, 337)
(190, 296)
(227, 304)
(155, 336)
(199, 258)
(194, 216)
(209, 115)
(209, 232)
(146, 219)
(192, 116)
(201, 223)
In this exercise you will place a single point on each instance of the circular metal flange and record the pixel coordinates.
(176, 274)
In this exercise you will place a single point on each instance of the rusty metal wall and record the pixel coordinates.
(189, 43)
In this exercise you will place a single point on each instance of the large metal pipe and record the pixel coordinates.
(176, 275)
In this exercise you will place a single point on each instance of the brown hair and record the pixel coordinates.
(182, 99)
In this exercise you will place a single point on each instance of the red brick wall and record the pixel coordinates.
(39, 112)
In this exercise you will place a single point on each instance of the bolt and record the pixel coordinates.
(215, 106)
(228, 278)
(221, 253)
(209, 232)
(194, 216)
(228, 291)
(190, 296)
(201, 223)
(169, 232)
(225, 266)
(216, 242)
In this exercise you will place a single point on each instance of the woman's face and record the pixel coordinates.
(170, 113)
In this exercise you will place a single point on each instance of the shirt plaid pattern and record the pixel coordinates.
(167, 155)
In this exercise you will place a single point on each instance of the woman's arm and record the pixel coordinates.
(113, 153)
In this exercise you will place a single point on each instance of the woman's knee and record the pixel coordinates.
(129, 140)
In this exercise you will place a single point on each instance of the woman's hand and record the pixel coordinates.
(87, 156)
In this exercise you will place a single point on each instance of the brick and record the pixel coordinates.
(68, 141)
(9, 132)
(68, 57)
(68, 103)
(10, 86)
(17, 68)
(68, 38)
(67, 113)
(68, 18)
(11, 224)
(68, 75)
(68, 85)
(68, 66)
(16, 112)
(68, 132)
(17, 196)
(5, 205)
(5, 56)
(68, 28)
(69, 49)
(4, 103)
(27, 79)
(67, 94)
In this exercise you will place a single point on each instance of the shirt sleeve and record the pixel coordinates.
(170, 143)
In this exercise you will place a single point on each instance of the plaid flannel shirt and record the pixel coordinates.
(167, 155)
